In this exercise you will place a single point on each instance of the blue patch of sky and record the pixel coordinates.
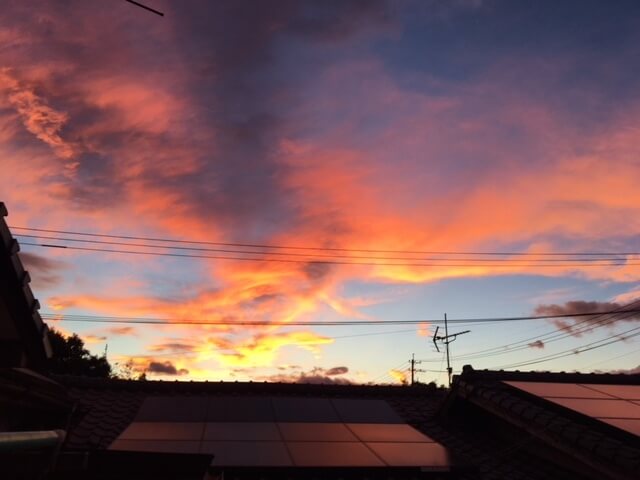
(497, 296)
(594, 43)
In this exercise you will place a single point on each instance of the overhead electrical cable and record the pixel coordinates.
(574, 351)
(333, 262)
(334, 249)
(551, 339)
(318, 255)
(580, 327)
(167, 321)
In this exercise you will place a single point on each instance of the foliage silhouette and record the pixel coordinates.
(71, 358)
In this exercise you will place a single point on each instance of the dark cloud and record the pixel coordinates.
(581, 324)
(45, 273)
(337, 371)
(316, 270)
(173, 347)
(122, 330)
(537, 344)
(630, 371)
(316, 375)
(244, 81)
(165, 368)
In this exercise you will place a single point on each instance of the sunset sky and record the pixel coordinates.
(376, 126)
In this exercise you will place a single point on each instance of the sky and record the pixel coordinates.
(358, 128)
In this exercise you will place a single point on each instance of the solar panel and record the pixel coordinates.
(557, 390)
(365, 411)
(601, 408)
(430, 455)
(377, 432)
(248, 454)
(294, 409)
(241, 431)
(163, 431)
(172, 409)
(158, 446)
(326, 432)
(240, 409)
(626, 392)
(309, 432)
(332, 454)
(631, 425)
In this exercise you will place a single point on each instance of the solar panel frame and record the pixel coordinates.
(631, 425)
(240, 409)
(557, 390)
(304, 410)
(156, 446)
(241, 431)
(624, 392)
(333, 454)
(172, 409)
(315, 431)
(600, 408)
(163, 431)
(248, 454)
(365, 411)
(383, 432)
(429, 455)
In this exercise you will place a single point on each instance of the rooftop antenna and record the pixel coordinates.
(446, 339)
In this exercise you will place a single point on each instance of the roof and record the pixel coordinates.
(557, 415)
(107, 407)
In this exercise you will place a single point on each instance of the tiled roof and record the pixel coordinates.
(106, 407)
(605, 449)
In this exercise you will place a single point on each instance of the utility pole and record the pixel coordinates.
(414, 370)
(446, 339)
(413, 367)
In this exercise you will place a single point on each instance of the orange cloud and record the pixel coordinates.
(399, 376)
(37, 116)
(359, 162)
(424, 330)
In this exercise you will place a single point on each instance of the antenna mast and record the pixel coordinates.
(446, 339)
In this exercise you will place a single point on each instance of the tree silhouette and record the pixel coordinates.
(71, 358)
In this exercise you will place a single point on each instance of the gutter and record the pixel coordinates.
(12, 442)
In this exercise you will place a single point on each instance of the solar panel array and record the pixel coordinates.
(617, 405)
(281, 431)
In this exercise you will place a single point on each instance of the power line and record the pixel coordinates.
(386, 374)
(575, 351)
(370, 334)
(331, 262)
(334, 249)
(318, 255)
(599, 362)
(623, 314)
(553, 335)
(153, 10)
(166, 321)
